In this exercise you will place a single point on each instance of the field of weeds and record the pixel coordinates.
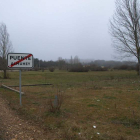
(95, 105)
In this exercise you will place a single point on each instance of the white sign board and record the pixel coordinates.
(20, 60)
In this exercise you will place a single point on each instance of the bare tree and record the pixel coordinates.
(5, 47)
(61, 63)
(71, 60)
(76, 60)
(125, 28)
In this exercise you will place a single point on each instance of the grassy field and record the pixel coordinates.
(96, 105)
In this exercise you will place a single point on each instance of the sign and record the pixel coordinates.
(20, 60)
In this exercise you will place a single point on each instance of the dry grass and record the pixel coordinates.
(55, 103)
(108, 100)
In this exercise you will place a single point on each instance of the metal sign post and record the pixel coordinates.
(20, 61)
(20, 86)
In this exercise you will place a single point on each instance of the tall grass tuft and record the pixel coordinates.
(55, 103)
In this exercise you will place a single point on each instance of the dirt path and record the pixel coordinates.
(14, 128)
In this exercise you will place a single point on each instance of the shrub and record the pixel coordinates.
(55, 103)
(125, 67)
(78, 68)
(97, 68)
(51, 69)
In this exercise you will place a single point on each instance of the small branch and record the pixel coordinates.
(11, 89)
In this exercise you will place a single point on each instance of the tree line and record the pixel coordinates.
(78, 65)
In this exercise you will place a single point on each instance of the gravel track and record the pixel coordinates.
(14, 128)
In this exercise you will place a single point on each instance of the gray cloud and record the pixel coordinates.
(49, 29)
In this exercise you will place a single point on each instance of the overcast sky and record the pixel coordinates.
(59, 28)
